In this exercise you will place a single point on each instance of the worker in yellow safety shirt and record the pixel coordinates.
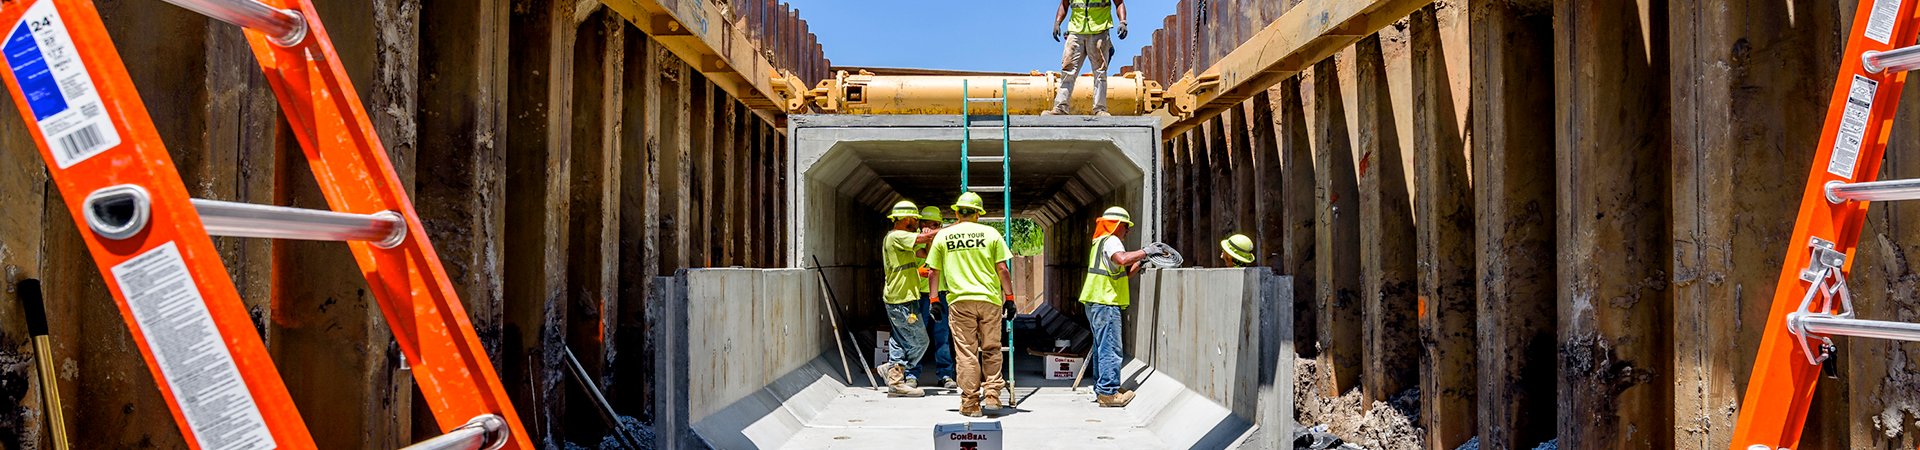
(969, 260)
(1087, 24)
(1105, 294)
(942, 348)
(1237, 250)
(904, 304)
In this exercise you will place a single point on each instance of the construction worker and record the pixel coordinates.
(1236, 250)
(969, 260)
(905, 307)
(942, 350)
(1105, 295)
(1087, 25)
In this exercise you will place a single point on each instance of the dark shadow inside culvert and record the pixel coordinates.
(1066, 170)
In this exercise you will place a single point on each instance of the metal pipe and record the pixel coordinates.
(1877, 329)
(284, 27)
(1873, 191)
(1897, 60)
(1128, 94)
(485, 432)
(384, 229)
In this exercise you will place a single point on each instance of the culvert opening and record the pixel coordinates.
(848, 170)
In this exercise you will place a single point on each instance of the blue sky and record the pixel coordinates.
(987, 35)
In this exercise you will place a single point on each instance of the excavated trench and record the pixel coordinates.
(764, 367)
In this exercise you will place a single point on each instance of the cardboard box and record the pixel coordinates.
(880, 348)
(1063, 368)
(967, 436)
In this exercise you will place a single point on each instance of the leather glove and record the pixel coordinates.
(1056, 32)
(1123, 29)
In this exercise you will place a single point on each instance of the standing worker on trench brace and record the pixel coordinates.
(970, 260)
(936, 301)
(1236, 251)
(1087, 25)
(1105, 295)
(905, 306)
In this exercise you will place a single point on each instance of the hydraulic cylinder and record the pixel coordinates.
(1129, 94)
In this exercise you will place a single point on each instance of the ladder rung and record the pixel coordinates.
(384, 229)
(282, 26)
(1873, 191)
(1897, 60)
(987, 188)
(1877, 329)
(986, 99)
(986, 159)
(993, 219)
(477, 433)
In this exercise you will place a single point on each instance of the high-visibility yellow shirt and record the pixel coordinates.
(1106, 282)
(919, 282)
(1089, 16)
(967, 255)
(902, 266)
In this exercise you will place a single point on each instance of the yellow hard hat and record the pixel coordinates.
(904, 210)
(1239, 247)
(1118, 213)
(930, 213)
(969, 200)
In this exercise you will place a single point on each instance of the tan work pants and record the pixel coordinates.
(1082, 47)
(976, 341)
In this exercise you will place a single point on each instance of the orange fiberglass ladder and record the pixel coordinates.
(1811, 302)
(152, 242)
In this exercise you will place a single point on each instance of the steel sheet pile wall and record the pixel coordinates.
(1575, 211)
(559, 157)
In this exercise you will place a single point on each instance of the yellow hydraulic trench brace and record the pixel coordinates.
(1128, 94)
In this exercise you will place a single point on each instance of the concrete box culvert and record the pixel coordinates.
(845, 170)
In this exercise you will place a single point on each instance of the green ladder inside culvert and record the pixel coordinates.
(1005, 189)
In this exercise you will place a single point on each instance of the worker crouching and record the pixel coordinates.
(1105, 295)
(906, 307)
(969, 261)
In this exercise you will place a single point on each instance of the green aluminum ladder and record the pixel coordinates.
(1005, 189)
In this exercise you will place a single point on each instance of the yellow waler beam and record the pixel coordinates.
(1309, 32)
(704, 36)
(865, 93)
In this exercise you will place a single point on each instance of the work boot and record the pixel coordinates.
(1101, 113)
(970, 407)
(1056, 111)
(897, 381)
(1118, 399)
(948, 383)
(991, 401)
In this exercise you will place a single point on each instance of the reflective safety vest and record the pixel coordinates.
(1106, 282)
(1089, 16)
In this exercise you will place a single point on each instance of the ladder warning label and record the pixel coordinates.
(1880, 24)
(1853, 127)
(65, 104)
(193, 358)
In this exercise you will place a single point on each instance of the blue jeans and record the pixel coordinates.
(1106, 348)
(942, 337)
(909, 340)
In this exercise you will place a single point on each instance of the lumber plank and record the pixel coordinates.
(640, 245)
(1445, 224)
(593, 229)
(1387, 249)
(1612, 142)
(1336, 237)
(1511, 56)
(1298, 216)
(539, 170)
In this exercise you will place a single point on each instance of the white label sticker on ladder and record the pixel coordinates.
(1880, 24)
(192, 356)
(57, 88)
(1853, 127)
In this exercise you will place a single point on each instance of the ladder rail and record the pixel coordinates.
(429, 322)
(1780, 390)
